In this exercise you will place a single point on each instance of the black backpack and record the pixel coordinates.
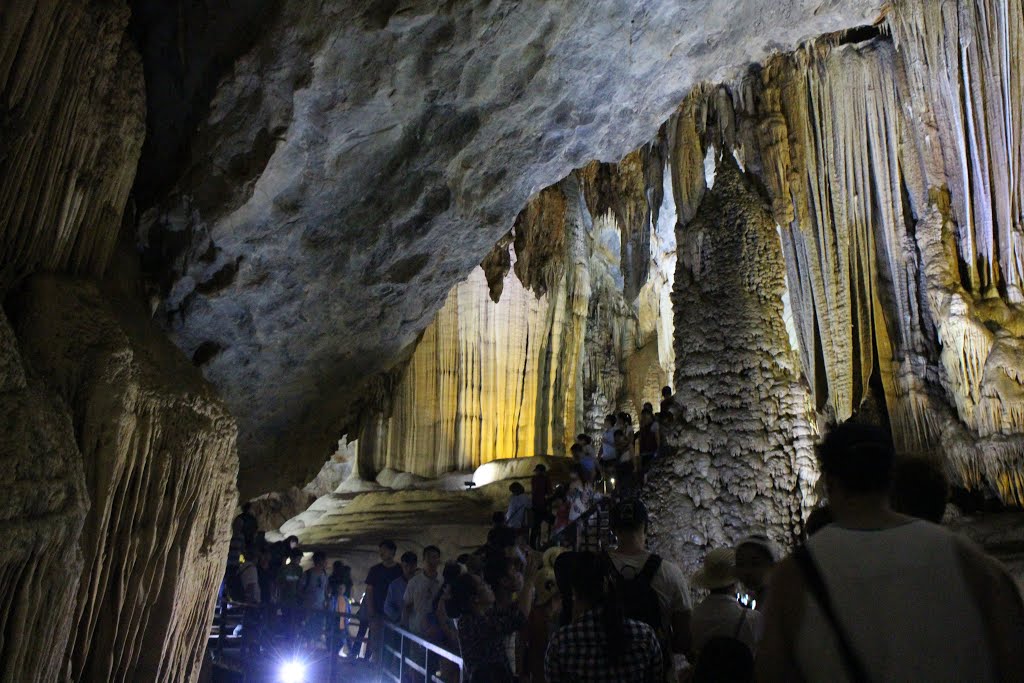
(724, 660)
(639, 599)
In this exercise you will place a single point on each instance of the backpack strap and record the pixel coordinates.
(816, 584)
(651, 567)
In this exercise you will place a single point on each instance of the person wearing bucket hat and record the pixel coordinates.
(719, 614)
(755, 557)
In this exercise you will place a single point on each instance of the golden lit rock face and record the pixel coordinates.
(523, 375)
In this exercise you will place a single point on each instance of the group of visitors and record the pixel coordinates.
(402, 593)
(626, 452)
(876, 590)
(270, 576)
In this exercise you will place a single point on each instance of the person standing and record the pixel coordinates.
(721, 616)
(486, 623)
(314, 583)
(394, 603)
(880, 596)
(371, 611)
(540, 490)
(422, 591)
(246, 524)
(655, 588)
(601, 644)
(609, 453)
(518, 507)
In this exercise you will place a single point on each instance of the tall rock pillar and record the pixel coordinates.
(744, 461)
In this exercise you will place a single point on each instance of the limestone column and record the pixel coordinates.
(744, 462)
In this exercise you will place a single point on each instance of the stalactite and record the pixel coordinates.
(744, 458)
(71, 131)
(891, 275)
(540, 235)
(160, 468)
(631, 191)
(521, 374)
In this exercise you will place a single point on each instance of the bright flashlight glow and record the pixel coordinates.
(293, 671)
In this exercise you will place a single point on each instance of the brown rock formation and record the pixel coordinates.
(44, 505)
(158, 455)
(741, 415)
(71, 126)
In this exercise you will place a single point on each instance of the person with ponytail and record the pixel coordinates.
(484, 622)
(600, 645)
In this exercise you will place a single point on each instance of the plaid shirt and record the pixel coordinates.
(578, 653)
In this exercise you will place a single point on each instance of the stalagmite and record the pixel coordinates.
(157, 450)
(741, 424)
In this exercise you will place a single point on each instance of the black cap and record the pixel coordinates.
(628, 514)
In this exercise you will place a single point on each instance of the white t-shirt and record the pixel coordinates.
(722, 616)
(904, 603)
(515, 517)
(608, 451)
(419, 597)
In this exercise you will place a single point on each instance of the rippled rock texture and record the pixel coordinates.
(155, 452)
(363, 157)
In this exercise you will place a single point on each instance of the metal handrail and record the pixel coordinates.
(406, 661)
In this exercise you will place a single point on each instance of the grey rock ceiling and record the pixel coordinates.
(357, 159)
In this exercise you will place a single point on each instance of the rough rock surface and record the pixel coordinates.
(71, 128)
(159, 464)
(44, 505)
(364, 156)
(741, 428)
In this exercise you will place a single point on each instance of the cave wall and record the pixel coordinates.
(43, 509)
(157, 449)
(71, 128)
(119, 461)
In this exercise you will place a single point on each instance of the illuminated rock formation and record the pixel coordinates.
(523, 375)
(744, 460)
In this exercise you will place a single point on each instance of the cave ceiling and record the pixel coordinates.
(318, 176)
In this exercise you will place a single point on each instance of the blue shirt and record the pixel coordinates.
(395, 599)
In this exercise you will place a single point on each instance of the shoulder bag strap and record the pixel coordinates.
(739, 624)
(816, 584)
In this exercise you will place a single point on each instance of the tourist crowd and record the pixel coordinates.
(875, 590)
